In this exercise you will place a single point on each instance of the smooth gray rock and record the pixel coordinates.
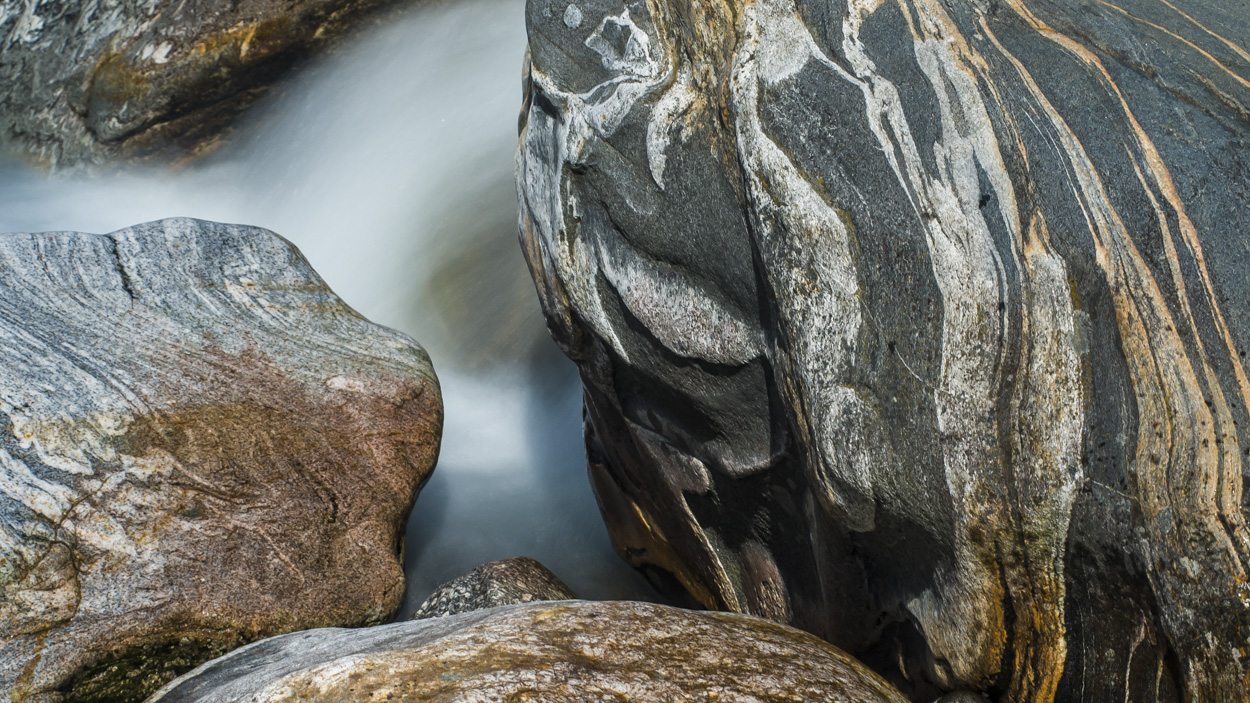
(557, 652)
(200, 446)
(503, 582)
(85, 82)
(919, 325)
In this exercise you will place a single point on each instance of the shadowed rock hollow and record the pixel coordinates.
(919, 325)
(565, 652)
(200, 446)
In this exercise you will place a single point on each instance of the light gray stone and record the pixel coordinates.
(200, 446)
(503, 582)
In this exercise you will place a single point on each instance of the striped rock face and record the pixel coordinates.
(920, 325)
(200, 445)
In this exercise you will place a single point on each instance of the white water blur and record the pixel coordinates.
(390, 166)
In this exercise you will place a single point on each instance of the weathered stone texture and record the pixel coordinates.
(88, 81)
(200, 446)
(565, 652)
(920, 325)
(503, 582)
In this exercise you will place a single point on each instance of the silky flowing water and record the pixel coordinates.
(390, 165)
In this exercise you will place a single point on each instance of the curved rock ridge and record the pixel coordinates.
(200, 446)
(89, 82)
(556, 652)
(919, 325)
(503, 582)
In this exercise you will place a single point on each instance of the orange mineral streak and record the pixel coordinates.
(1183, 484)
(1205, 54)
(1034, 539)
(1237, 48)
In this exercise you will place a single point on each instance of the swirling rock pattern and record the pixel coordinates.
(89, 82)
(563, 652)
(200, 446)
(920, 325)
(497, 583)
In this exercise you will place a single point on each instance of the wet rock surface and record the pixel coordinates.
(503, 582)
(919, 325)
(92, 82)
(200, 446)
(553, 652)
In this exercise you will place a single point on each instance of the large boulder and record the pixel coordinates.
(562, 652)
(85, 82)
(920, 325)
(503, 582)
(200, 446)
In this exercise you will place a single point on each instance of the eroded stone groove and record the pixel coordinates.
(200, 445)
(921, 325)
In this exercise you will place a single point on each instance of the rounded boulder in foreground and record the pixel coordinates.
(555, 652)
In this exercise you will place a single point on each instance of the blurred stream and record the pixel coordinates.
(390, 165)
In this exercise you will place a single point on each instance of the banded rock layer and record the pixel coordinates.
(200, 446)
(85, 82)
(560, 652)
(919, 325)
